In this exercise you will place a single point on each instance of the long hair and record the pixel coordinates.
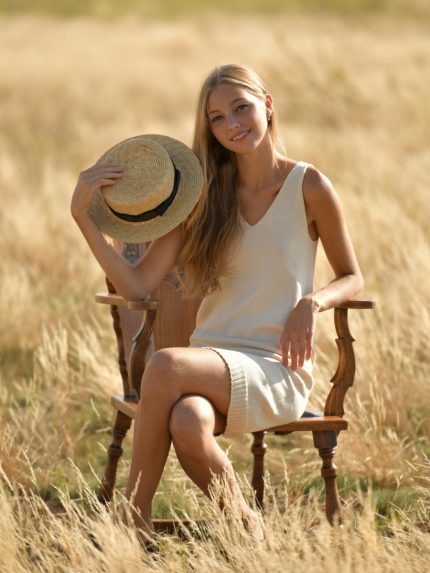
(214, 224)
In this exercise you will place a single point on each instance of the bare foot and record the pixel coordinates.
(147, 540)
(253, 524)
(145, 532)
(129, 516)
(144, 524)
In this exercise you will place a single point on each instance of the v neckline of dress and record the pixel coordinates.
(247, 225)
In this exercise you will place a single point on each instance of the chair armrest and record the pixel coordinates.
(131, 369)
(117, 300)
(358, 304)
(345, 372)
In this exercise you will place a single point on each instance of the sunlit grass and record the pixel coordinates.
(80, 535)
(174, 8)
(353, 100)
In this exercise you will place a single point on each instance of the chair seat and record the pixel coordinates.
(124, 405)
(313, 421)
(316, 424)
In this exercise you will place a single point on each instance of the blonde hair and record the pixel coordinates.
(214, 225)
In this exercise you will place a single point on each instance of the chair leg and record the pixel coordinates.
(120, 428)
(326, 443)
(258, 448)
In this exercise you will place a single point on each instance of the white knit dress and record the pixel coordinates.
(273, 268)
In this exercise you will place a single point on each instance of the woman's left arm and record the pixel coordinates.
(324, 210)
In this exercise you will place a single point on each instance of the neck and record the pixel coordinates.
(259, 168)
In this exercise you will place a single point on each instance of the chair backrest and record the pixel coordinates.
(176, 316)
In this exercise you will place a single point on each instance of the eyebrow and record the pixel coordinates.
(231, 103)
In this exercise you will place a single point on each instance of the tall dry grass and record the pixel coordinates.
(87, 537)
(353, 100)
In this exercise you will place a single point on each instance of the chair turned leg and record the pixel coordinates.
(326, 443)
(120, 428)
(258, 448)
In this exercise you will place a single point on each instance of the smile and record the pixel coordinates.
(241, 135)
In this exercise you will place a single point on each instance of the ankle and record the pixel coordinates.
(144, 523)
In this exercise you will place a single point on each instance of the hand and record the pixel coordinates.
(99, 175)
(298, 335)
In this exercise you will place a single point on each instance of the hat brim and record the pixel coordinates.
(189, 190)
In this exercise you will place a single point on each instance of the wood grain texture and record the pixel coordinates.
(141, 341)
(326, 443)
(122, 363)
(118, 300)
(357, 304)
(121, 425)
(258, 450)
(344, 376)
(312, 424)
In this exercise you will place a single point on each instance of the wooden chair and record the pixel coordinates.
(165, 320)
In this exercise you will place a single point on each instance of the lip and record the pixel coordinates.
(240, 136)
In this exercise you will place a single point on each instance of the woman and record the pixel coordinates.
(249, 248)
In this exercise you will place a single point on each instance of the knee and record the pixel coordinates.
(191, 420)
(163, 361)
(160, 370)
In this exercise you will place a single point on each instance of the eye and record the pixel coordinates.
(241, 107)
(216, 118)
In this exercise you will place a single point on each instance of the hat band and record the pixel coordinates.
(156, 211)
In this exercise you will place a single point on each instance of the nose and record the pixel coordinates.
(233, 121)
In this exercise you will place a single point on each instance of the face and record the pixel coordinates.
(237, 118)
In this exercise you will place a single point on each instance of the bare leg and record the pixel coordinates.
(193, 422)
(170, 374)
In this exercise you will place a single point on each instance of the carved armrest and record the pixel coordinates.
(357, 304)
(343, 378)
(117, 300)
(131, 370)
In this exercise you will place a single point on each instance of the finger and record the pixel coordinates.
(96, 182)
(109, 164)
(103, 182)
(309, 344)
(106, 181)
(113, 168)
(293, 354)
(301, 353)
(106, 175)
(104, 167)
(285, 348)
(104, 171)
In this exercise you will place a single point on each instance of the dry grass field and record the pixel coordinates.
(352, 93)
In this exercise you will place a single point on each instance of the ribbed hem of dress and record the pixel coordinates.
(237, 414)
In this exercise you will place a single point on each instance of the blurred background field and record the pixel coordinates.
(157, 8)
(350, 80)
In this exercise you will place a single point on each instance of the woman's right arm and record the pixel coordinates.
(131, 282)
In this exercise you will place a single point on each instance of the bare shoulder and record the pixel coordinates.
(319, 194)
(316, 185)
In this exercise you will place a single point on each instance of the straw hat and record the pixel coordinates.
(161, 183)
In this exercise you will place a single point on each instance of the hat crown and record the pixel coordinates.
(169, 182)
(147, 180)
